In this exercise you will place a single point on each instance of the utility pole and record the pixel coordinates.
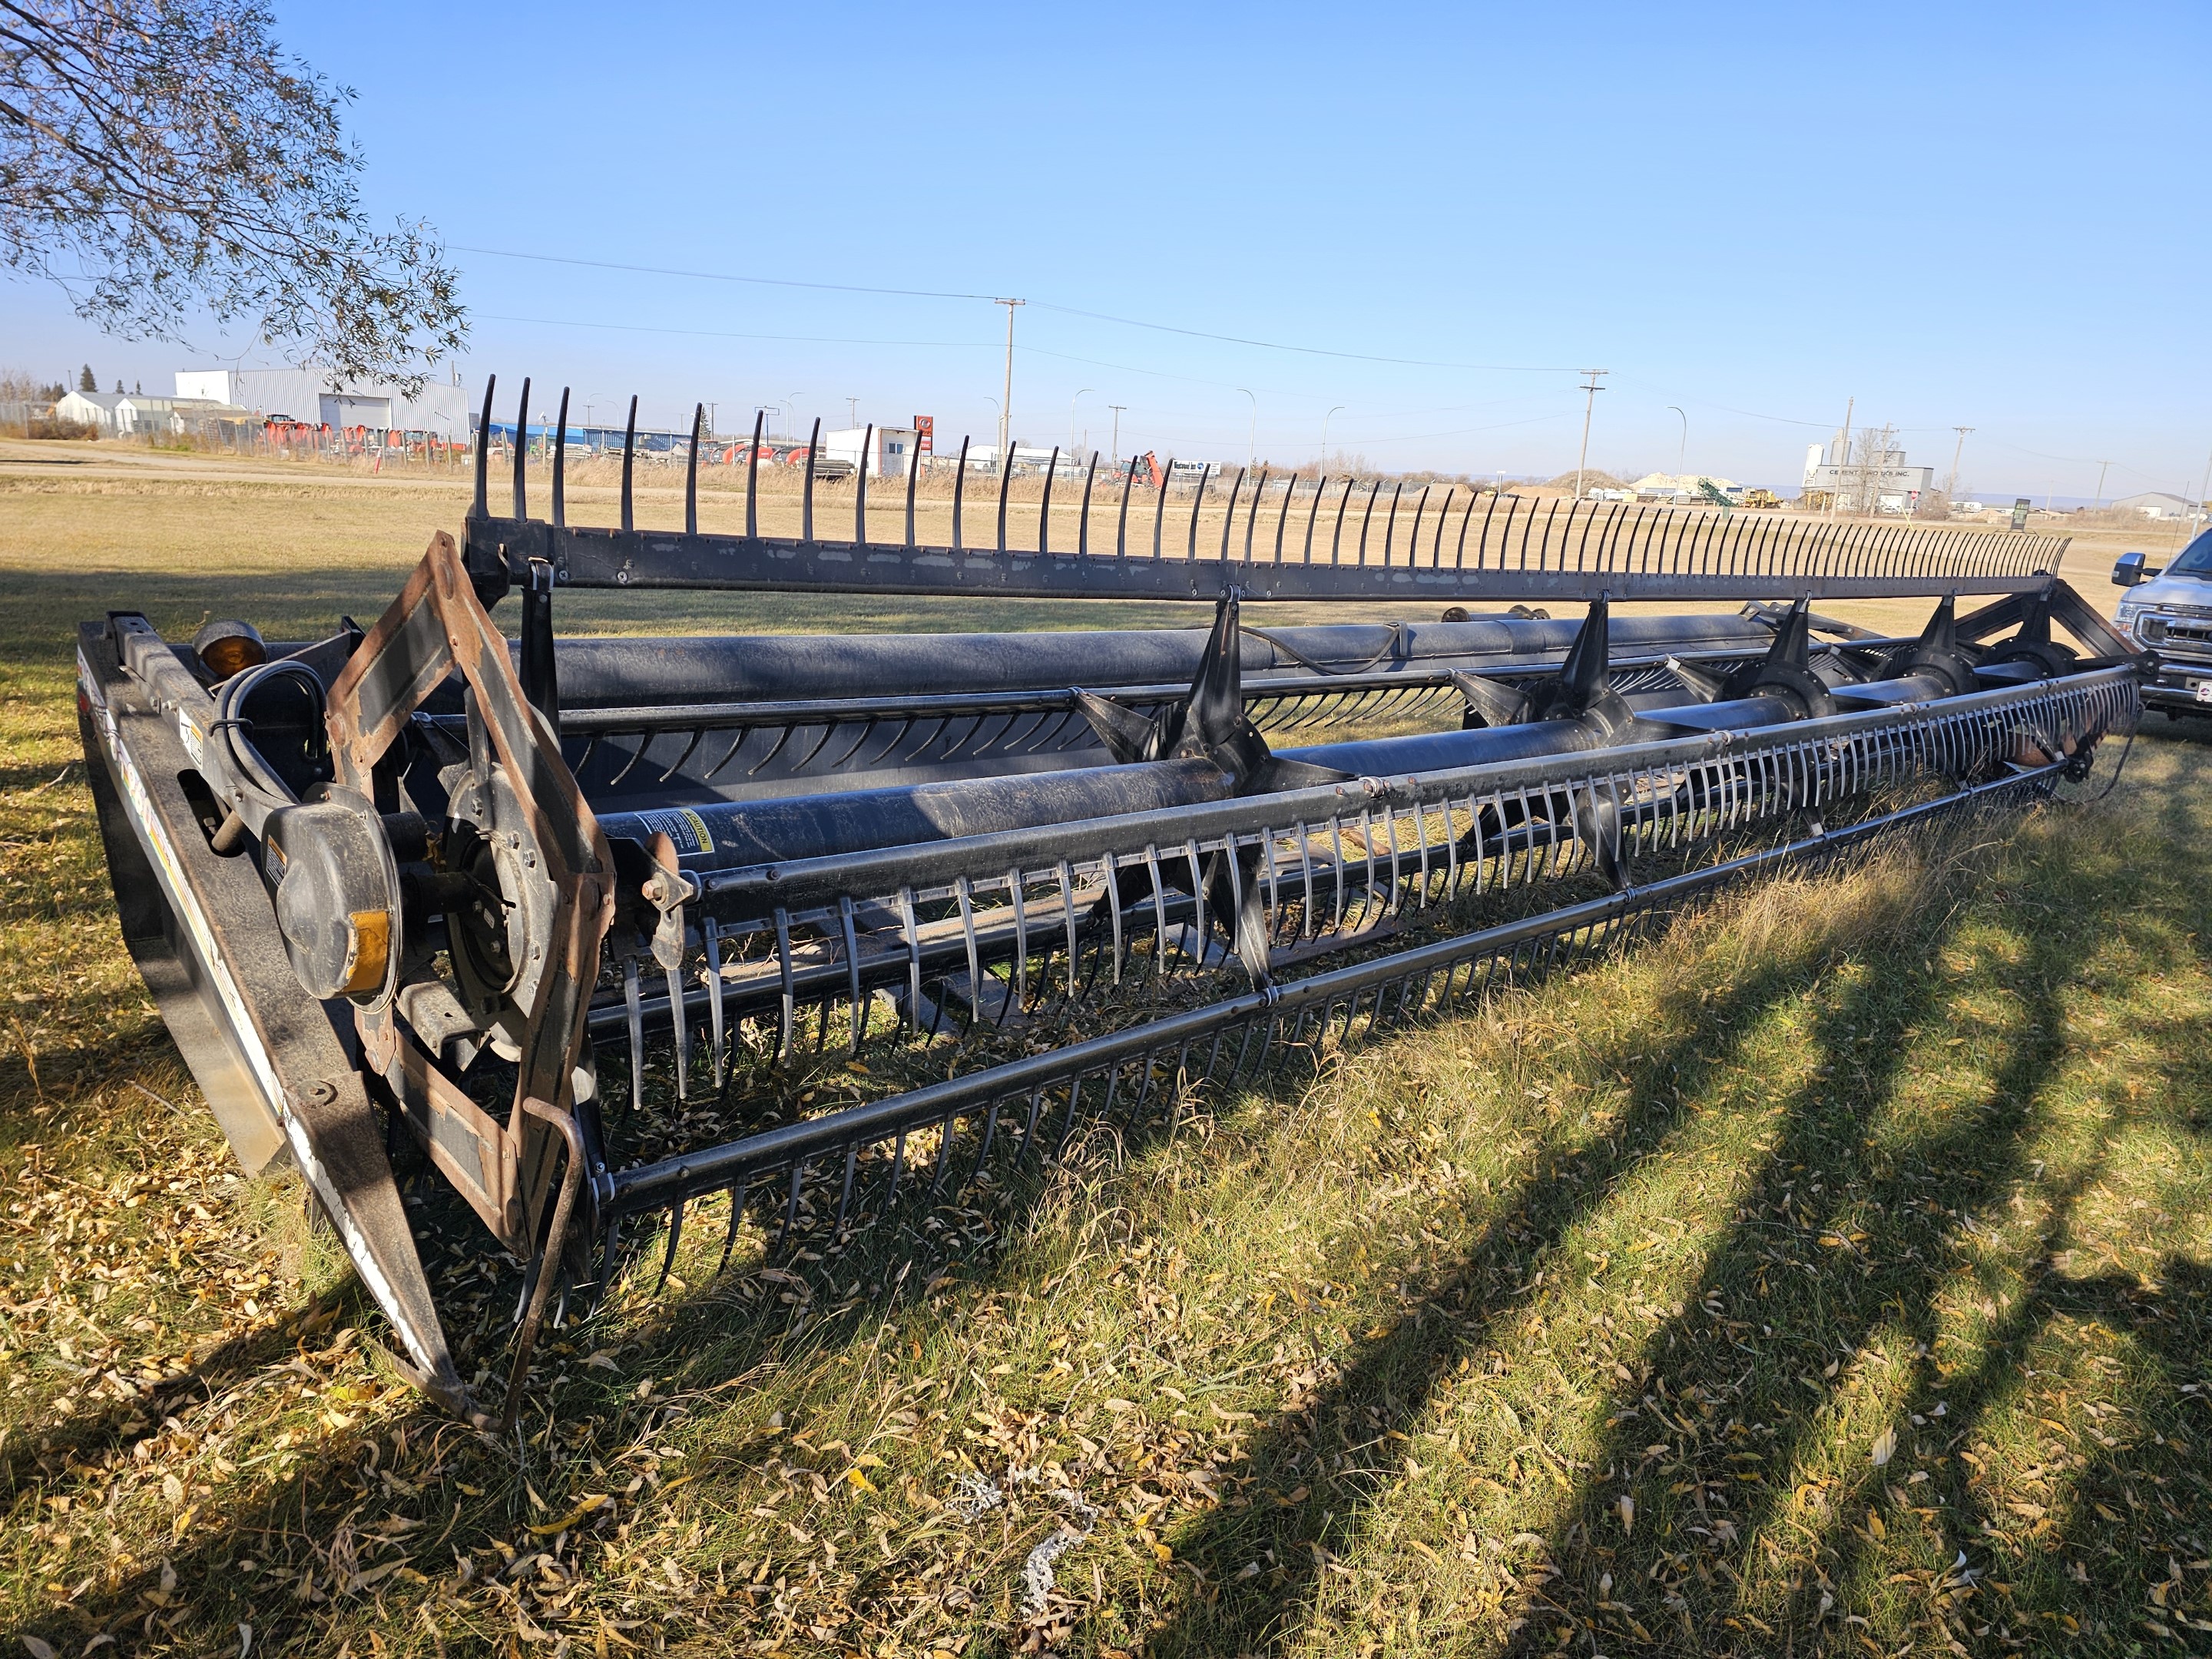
(2103, 467)
(1951, 484)
(852, 411)
(1840, 452)
(1006, 403)
(1117, 409)
(1252, 447)
(1590, 377)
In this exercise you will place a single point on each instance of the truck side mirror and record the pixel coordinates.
(2128, 571)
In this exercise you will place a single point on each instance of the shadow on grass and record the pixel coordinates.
(1389, 1382)
(1309, 1492)
(2002, 1576)
(1806, 1304)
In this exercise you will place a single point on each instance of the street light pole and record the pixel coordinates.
(1685, 450)
(1252, 447)
(1339, 409)
(1589, 403)
(1071, 403)
(1006, 406)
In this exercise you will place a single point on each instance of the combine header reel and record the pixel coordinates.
(581, 917)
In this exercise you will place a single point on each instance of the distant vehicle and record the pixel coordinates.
(1761, 498)
(2170, 612)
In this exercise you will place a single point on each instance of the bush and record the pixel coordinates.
(54, 427)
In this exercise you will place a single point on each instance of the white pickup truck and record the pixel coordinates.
(2170, 612)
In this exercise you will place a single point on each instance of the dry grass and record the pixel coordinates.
(1832, 1275)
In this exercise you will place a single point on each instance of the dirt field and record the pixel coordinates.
(1831, 1276)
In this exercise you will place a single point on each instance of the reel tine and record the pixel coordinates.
(853, 967)
(1198, 935)
(1159, 912)
(1083, 519)
(1197, 503)
(913, 934)
(636, 1019)
(668, 1256)
(845, 1193)
(965, 894)
(691, 472)
(1044, 517)
(710, 936)
(752, 477)
(783, 966)
(698, 736)
(481, 506)
(791, 1203)
(860, 486)
(630, 444)
(521, 450)
(913, 478)
(990, 1134)
(1113, 902)
(1160, 507)
(1074, 1104)
(898, 1169)
(944, 1154)
(1029, 1129)
(806, 498)
(1122, 523)
(959, 488)
(737, 1219)
(679, 1019)
(561, 464)
(1019, 1002)
(1066, 877)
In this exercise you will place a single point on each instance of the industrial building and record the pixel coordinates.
(304, 396)
(1875, 480)
(2158, 504)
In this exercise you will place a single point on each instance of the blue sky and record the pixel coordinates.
(1985, 215)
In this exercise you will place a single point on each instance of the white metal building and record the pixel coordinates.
(890, 454)
(304, 395)
(2157, 504)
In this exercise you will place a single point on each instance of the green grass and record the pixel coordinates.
(1907, 1163)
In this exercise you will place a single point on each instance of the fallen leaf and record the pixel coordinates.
(1884, 1447)
(589, 1502)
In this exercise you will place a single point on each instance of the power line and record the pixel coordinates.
(715, 276)
(1069, 311)
(727, 334)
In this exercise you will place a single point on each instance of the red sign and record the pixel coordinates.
(925, 427)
